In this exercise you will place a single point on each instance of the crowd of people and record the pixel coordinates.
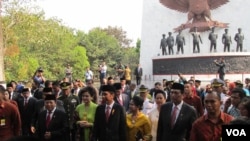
(173, 110)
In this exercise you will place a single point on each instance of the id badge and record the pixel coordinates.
(2, 122)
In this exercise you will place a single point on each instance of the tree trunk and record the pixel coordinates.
(2, 76)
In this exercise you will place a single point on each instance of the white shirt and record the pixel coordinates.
(153, 117)
(103, 69)
(223, 99)
(89, 75)
(147, 106)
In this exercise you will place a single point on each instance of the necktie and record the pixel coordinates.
(107, 113)
(120, 101)
(173, 116)
(123, 88)
(48, 119)
(25, 103)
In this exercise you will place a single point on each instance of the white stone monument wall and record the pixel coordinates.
(158, 19)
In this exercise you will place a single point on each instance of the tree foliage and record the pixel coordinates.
(32, 41)
(119, 34)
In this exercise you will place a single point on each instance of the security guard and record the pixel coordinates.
(70, 102)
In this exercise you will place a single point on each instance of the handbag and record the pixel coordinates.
(138, 135)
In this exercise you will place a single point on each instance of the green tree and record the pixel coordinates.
(119, 34)
(101, 46)
(46, 42)
(31, 41)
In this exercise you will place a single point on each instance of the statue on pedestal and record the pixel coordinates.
(213, 40)
(196, 40)
(180, 42)
(170, 43)
(239, 37)
(163, 45)
(226, 40)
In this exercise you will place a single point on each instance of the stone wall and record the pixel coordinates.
(200, 65)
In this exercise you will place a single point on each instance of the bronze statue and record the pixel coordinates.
(180, 42)
(170, 43)
(198, 12)
(239, 37)
(196, 40)
(226, 40)
(163, 45)
(213, 40)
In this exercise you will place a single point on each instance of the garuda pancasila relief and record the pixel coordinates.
(199, 14)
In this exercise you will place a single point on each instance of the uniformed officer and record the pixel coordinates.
(148, 104)
(70, 102)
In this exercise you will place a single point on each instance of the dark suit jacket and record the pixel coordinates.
(16, 96)
(26, 112)
(58, 125)
(221, 66)
(182, 127)
(138, 73)
(39, 107)
(38, 94)
(125, 101)
(114, 129)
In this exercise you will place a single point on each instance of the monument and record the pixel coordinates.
(159, 18)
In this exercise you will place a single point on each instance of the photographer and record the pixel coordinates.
(221, 64)
(68, 72)
(120, 70)
(103, 72)
(38, 77)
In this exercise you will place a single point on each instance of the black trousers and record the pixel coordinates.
(138, 80)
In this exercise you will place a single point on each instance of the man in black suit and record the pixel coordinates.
(52, 123)
(221, 70)
(26, 106)
(56, 88)
(138, 74)
(176, 117)
(121, 98)
(13, 95)
(110, 120)
(39, 107)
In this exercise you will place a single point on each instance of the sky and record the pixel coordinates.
(87, 14)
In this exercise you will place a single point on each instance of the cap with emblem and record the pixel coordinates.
(238, 83)
(143, 88)
(65, 85)
(40, 70)
(217, 82)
